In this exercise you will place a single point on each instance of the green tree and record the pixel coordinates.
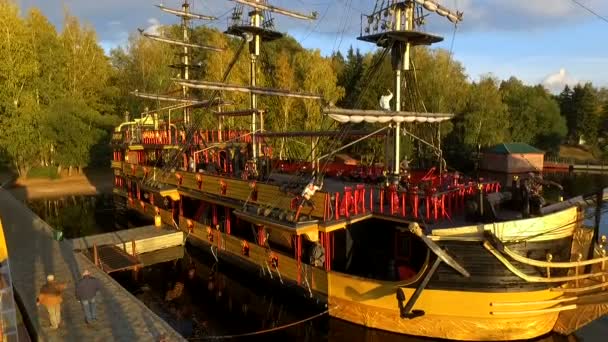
(533, 114)
(587, 112)
(350, 78)
(87, 69)
(485, 121)
(76, 128)
(285, 79)
(18, 69)
(316, 75)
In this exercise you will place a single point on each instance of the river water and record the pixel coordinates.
(219, 300)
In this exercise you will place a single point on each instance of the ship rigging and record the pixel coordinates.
(418, 252)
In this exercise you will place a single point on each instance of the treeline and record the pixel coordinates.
(488, 111)
(55, 91)
(60, 95)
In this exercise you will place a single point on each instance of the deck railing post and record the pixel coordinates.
(603, 254)
(95, 255)
(382, 201)
(337, 204)
(579, 258)
(599, 198)
(371, 200)
(549, 258)
(133, 252)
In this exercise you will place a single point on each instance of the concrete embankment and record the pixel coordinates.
(33, 254)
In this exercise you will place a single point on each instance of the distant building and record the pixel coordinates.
(512, 158)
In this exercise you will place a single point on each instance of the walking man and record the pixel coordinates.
(51, 297)
(86, 290)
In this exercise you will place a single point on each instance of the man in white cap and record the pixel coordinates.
(51, 297)
(86, 290)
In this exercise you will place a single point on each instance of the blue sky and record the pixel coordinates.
(553, 42)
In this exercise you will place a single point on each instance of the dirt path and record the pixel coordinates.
(89, 183)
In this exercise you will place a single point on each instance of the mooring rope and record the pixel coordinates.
(265, 331)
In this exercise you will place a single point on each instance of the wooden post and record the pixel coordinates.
(299, 257)
(95, 255)
(133, 252)
(227, 225)
(599, 199)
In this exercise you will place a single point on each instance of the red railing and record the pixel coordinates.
(436, 205)
(172, 136)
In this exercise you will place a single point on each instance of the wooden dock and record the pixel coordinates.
(33, 254)
(147, 239)
(113, 259)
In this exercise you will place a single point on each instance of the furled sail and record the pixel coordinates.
(383, 116)
(184, 14)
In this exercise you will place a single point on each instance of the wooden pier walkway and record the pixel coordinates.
(147, 239)
(34, 254)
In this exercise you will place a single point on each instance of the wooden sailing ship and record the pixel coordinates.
(442, 258)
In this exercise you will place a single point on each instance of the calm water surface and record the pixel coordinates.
(219, 300)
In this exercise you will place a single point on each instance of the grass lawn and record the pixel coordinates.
(48, 172)
(576, 153)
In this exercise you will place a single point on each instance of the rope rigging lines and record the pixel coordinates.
(264, 331)
(590, 10)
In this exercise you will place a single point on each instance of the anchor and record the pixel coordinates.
(442, 256)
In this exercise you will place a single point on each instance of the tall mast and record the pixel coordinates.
(260, 26)
(185, 69)
(392, 25)
(185, 63)
(254, 52)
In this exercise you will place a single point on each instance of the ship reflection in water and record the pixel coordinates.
(205, 300)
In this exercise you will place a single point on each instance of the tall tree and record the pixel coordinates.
(18, 69)
(485, 117)
(87, 68)
(285, 79)
(533, 114)
(350, 77)
(587, 111)
(566, 105)
(316, 75)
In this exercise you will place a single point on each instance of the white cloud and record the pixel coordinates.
(557, 81)
(154, 26)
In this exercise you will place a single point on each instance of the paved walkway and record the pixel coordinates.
(33, 254)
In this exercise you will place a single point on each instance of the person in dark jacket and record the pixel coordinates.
(86, 290)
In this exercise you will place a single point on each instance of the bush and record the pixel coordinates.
(48, 172)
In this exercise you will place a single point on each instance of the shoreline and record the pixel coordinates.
(88, 183)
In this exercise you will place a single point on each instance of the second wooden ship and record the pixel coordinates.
(431, 254)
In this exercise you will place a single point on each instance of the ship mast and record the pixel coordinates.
(185, 63)
(185, 69)
(260, 26)
(393, 25)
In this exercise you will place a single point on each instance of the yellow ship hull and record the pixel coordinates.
(468, 314)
